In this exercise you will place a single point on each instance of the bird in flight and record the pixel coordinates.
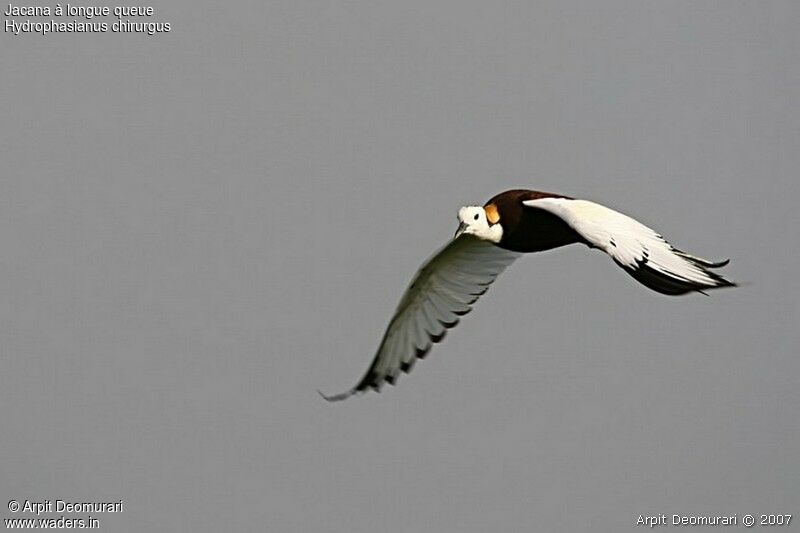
(490, 238)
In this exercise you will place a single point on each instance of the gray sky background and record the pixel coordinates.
(201, 228)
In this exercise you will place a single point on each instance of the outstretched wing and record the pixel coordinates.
(642, 252)
(443, 290)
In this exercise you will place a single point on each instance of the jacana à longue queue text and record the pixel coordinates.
(490, 238)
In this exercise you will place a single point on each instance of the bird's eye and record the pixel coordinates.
(477, 216)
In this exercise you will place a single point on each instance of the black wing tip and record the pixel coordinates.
(719, 281)
(331, 398)
(708, 264)
(375, 382)
(672, 286)
(436, 339)
(421, 353)
(723, 283)
(699, 261)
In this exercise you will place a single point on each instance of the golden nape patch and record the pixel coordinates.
(491, 214)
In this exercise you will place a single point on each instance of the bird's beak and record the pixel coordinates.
(460, 230)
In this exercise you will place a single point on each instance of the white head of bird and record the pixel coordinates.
(475, 220)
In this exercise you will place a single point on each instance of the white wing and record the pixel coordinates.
(642, 252)
(443, 290)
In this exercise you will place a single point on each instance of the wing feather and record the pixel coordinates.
(443, 290)
(641, 251)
